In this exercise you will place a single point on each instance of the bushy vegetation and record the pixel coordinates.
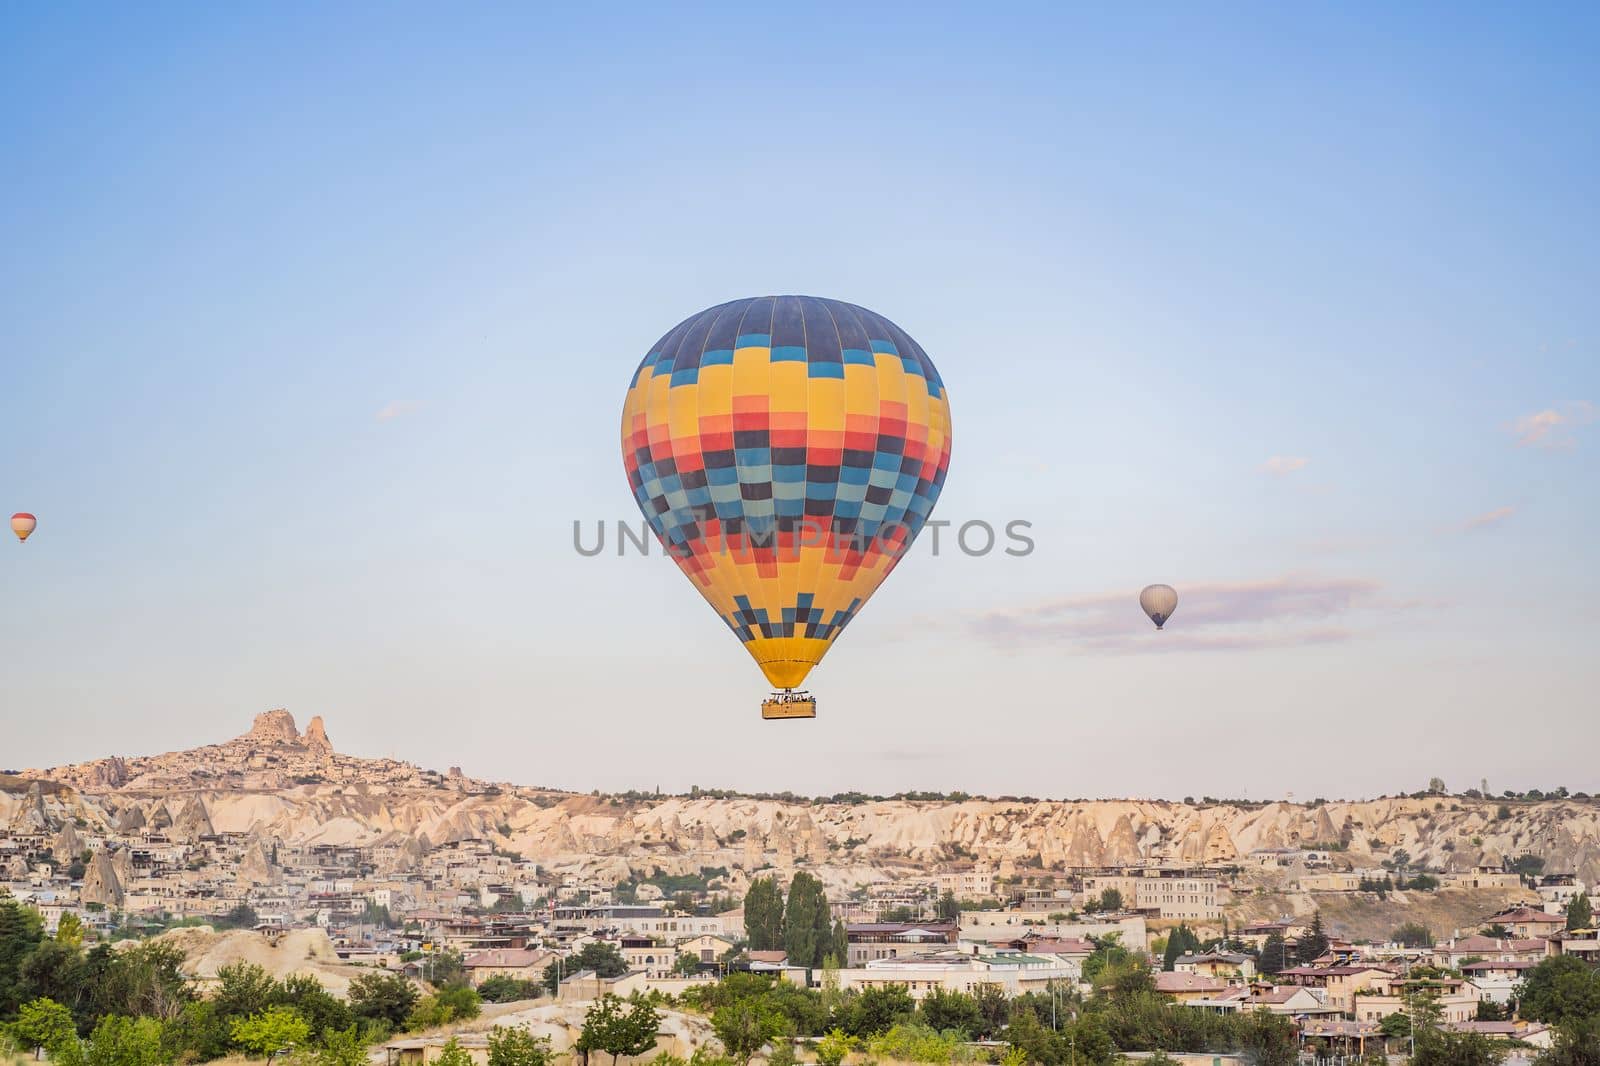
(503, 989)
(1124, 1013)
(134, 1007)
(619, 1027)
(799, 924)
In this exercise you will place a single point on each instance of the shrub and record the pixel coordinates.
(913, 1042)
(832, 1049)
(518, 1046)
(271, 1031)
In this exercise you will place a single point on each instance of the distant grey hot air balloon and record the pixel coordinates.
(1159, 601)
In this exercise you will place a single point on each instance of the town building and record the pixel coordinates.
(957, 971)
(1164, 892)
(875, 941)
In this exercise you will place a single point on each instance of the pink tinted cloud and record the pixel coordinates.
(1279, 465)
(1552, 427)
(1291, 611)
(1489, 518)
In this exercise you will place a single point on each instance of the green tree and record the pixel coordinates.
(244, 989)
(502, 988)
(1413, 935)
(839, 944)
(199, 1033)
(69, 930)
(877, 1009)
(833, 1048)
(241, 916)
(1446, 1048)
(763, 914)
(1490, 1011)
(994, 1010)
(383, 997)
(55, 970)
(453, 1054)
(604, 959)
(444, 969)
(1267, 1039)
(1180, 942)
(1559, 988)
(1527, 865)
(619, 1028)
(1125, 977)
(1110, 900)
(116, 1041)
(453, 1004)
(746, 1026)
(687, 964)
(321, 1009)
(1274, 954)
(341, 1047)
(44, 1025)
(517, 1046)
(1577, 1043)
(945, 1010)
(1029, 1037)
(1580, 914)
(21, 930)
(807, 923)
(462, 1001)
(377, 914)
(1313, 942)
(1108, 952)
(143, 980)
(271, 1031)
(948, 908)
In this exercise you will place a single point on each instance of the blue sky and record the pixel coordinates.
(315, 326)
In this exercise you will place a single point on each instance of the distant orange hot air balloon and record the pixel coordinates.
(22, 524)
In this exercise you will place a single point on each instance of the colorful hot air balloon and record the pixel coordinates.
(22, 524)
(786, 450)
(1159, 601)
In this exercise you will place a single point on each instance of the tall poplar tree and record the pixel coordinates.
(763, 915)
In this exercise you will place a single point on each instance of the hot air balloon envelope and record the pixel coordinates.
(23, 524)
(786, 450)
(1159, 601)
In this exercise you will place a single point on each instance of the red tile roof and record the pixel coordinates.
(1187, 982)
(505, 957)
(1522, 915)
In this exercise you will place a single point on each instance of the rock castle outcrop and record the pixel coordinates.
(278, 786)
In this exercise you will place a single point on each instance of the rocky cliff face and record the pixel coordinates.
(316, 738)
(101, 884)
(273, 727)
(272, 755)
(274, 784)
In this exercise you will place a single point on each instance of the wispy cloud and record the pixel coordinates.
(1284, 464)
(1489, 518)
(1552, 427)
(394, 410)
(1289, 611)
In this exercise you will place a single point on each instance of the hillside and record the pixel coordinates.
(277, 784)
